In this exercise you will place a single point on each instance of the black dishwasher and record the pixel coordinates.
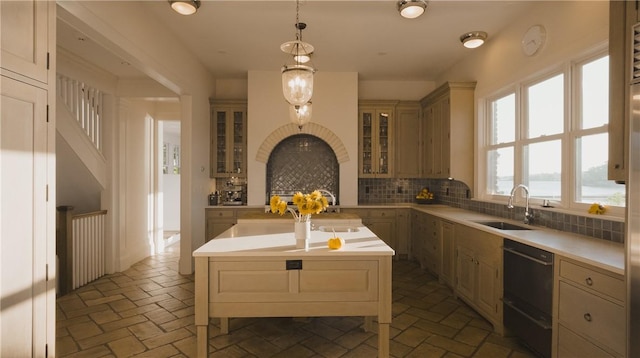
(528, 295)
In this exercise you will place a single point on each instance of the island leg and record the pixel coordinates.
(384, 306)
(202, 306)
(224, 325)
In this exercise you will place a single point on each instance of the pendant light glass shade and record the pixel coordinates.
(300, 115)
(297, 84)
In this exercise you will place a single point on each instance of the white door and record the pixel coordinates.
(23, 219)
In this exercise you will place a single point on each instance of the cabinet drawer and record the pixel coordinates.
(571, 345)
(270, 281)
(592, 316)
(382, 213)
(599, 282)
(221, 213)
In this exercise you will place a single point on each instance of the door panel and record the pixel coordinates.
(23, 219)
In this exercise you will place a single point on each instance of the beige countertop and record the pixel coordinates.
(604, 254)
(599, 253)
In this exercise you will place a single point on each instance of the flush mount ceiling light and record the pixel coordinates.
(185, 7)
(410, 9)
(300, 115)
(473, 39)
(297, 79)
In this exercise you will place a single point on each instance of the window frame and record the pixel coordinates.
(572, 80)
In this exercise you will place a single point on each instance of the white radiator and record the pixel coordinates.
(88, 247)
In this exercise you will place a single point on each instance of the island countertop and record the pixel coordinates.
(276, 239)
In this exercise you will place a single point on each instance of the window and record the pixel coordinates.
(551, 135)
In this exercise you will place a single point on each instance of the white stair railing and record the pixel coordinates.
(85, 104)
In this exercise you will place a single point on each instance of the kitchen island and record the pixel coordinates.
(254, 270)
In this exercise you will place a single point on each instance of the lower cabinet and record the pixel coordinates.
(418, 237)
(447, 243)
(218, 220)
(479, 272)
(432, 249)
(383, 223)
(591, 315)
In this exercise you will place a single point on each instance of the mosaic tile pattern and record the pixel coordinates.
(302, 163)
(458, 194)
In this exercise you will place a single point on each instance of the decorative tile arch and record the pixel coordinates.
(310, 128)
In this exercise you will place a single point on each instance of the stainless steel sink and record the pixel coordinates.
(501, 225)
(339, 228)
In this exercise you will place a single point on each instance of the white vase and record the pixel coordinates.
(302, 233)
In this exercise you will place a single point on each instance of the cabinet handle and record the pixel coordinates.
(587, 317)
(589, 281)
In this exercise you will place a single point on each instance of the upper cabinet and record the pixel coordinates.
(375, 139)
(409, 141)
(24, 38)
(623, 15)
(448, 129)
(228, 154)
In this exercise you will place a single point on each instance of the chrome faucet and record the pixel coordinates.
(330, 194)
(528, 217)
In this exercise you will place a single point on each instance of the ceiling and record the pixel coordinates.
(231, 37)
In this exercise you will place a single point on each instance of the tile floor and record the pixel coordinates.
(147, 311)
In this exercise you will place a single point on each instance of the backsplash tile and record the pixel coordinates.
(457, 194)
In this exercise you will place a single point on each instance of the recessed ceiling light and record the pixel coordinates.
(410, 9)
(473, 39)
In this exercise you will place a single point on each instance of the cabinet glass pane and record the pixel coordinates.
(383, 140)
(221, 142)
(238, 118)
(367, 143)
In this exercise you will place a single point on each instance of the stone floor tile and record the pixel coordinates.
(490, 350)
(451, 345)
(187, 346)
(353, 338)
(148, 309)
(165, 351)
(472, 336)
(169, 337)
(145, 330)
(126, 347)
(65, 346)
(84, 330)
(412, 337)
(101, 300)
(104, 316)
(124, 322)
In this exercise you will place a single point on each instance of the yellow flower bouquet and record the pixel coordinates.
(307, 204)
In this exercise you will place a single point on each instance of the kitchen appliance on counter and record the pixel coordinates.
(528, 295)
(234, 192)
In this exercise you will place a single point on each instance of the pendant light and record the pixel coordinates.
(300, 115)
(297, 78)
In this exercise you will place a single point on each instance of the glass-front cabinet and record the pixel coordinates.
(375, 127)
(228, 155)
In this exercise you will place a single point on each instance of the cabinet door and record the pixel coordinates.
(465, 273)
(23, 221)
(375, 142)
(228, 142)
(24, 44)
(447, 236)
(384, 229)
(428, 149)
(487, 298)
(408, 162)
(402, 233)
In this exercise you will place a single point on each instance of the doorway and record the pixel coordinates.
(169, 183)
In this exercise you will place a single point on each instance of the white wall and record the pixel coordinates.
(125, 29)
(572, 28)
(335, 106)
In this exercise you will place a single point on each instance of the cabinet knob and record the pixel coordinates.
(587, 317)
(589, 281)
